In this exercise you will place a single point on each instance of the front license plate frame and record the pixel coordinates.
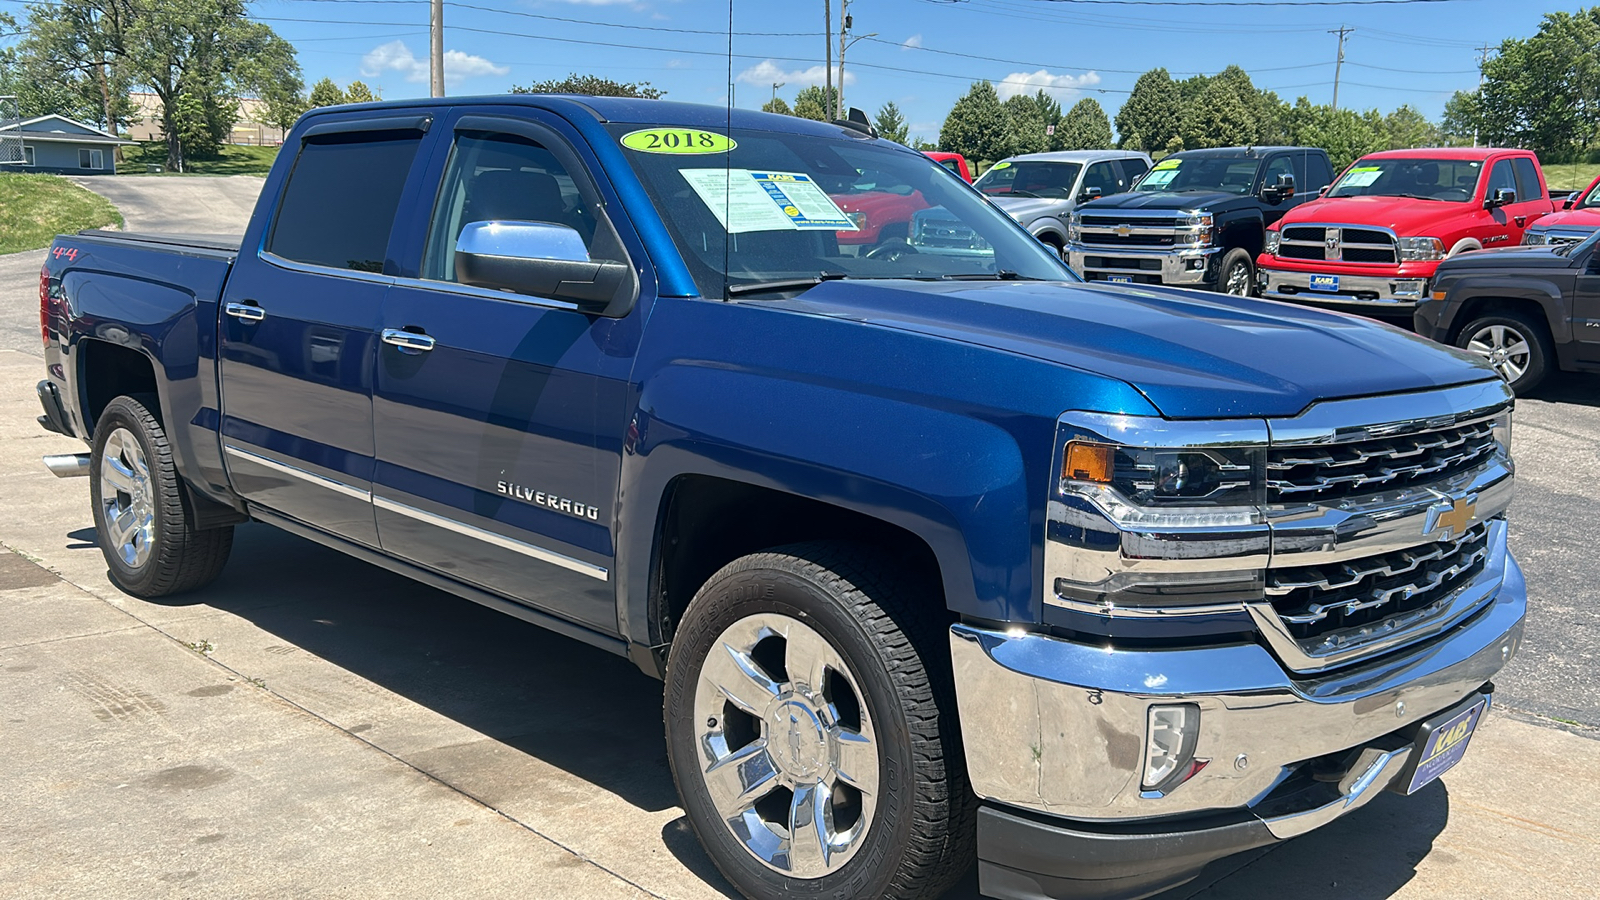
(1441, 742)
(1119, 279)
(1327, 284)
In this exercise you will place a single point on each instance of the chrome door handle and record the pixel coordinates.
(247, 312)
(408, 340)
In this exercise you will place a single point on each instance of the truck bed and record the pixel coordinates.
(228, 243)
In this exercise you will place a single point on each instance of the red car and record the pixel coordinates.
(1377, 235)
(1579, 217)
(955, 162)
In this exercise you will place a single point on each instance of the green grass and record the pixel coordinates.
(1565, 178)
(232, 160)
(35, 208)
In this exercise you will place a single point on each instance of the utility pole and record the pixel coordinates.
(775, 86)
(1477, 99)
(436, 50)
(1338, 64)
(845, 43)
(827, 55)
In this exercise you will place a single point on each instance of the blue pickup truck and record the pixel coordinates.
(941, 557)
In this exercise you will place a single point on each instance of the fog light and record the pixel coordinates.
(1409, 287)
(1169, 746)
(1197, 264)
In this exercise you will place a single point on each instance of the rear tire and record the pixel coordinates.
(1236, 276)
(805, 687)
(1514, 343)
(144, 527)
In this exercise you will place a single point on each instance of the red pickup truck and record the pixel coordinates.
(1578, 218)
(1377, 235)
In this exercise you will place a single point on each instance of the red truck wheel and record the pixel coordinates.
(144, 532)
(814, 749)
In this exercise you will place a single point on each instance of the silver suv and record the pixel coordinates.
(1041, 190)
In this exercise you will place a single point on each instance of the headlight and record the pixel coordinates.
(1197, 224)
(1274, 240)
(1535, 239)
(1074, 229)
(1502, 433)
(858, 219)
(1420, 249)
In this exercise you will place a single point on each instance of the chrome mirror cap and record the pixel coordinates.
(522, 240)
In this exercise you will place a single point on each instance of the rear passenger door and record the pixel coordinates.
(299, 327)
(499, 417)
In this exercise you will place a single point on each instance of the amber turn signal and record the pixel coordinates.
(1089, 462)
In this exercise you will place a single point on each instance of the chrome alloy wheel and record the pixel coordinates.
(787, 750)
(1506, 348)
(127, 504)
(1238, 281)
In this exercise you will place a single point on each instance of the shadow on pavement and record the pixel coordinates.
(596, 716)
(1569, 387)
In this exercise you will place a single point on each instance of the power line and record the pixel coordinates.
(1193, 4)
(528, 15)
(1018, 62)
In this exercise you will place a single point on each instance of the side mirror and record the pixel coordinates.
(1572, 198)
(1500, 197)
(1087, 194)
(1283, 189)
(1323, 191)
(540, 259)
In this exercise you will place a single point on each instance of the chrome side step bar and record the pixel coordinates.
(67, 465)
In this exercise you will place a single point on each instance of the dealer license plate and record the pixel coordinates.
(1445, 745)
(1324, 282)
(1120, 279)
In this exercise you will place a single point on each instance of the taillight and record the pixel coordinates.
(44, 303)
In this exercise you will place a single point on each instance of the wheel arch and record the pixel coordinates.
(1538, 299)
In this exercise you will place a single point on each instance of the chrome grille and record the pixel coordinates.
(1336, 243)
(1135, 230)
(1324, 472)
(1315, 600)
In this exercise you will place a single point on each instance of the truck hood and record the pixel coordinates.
(1538, 257)
(1209, 200)
(1569, 218)
(1408, 217)
(1026, 209)
(1193, 355)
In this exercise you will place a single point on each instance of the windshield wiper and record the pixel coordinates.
(786, 284)
(1016, 192)
(1419, 197)
(1002, 275)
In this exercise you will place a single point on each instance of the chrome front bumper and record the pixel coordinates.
(1177, 266)
(1358, 290)
(1058, 727)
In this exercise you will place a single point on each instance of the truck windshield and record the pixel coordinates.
(1451, 180)
(1178, 174)
(1590, 200)
(776, 211)
(1030, 179)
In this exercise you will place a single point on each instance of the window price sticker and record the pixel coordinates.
(745, 200)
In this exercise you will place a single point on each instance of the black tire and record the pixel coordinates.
(1232, 262)
(179, 557)
(920, 839)
(1523, 372)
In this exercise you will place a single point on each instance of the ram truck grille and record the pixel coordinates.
(1317, 600)
(1331, 243)
(1319, 473)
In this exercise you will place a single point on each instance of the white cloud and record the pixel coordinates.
(912, 43)
(768, 73)
(395, 56)
(1061, 87)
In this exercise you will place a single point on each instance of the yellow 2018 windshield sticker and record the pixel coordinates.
(1168, 164)
(1002, 165)
(684, 141)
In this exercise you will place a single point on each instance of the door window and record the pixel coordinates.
(339, 205)
(1101, 175)
(1318, 174)
(1501, 179)
(1132, 168)
(1279, 166)
(27, 155)
(497, 178)
(1528, 186)
(89, 159)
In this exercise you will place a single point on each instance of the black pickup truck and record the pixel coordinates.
(1526, 310)
(1198, 218)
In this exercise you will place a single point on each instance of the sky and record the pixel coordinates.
(1417, 52)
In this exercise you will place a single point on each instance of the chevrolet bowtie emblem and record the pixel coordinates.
(1122, 230)
(1451, 516)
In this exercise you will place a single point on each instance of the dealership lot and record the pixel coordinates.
(313, 725)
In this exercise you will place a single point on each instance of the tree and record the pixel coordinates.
(593, 86)
(1149, 117)
(777, 105)
(812, 103)
(1344, 133)
(1025, 126)
(976, 125)
(277, 82)
(1219, 119)
(891, 123)
(64, 65)
(1085, 127)
(326, 93)
(1543, 92)
(1407, 128)
(358, 92)
(1460, 122)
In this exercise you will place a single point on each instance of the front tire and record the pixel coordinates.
(1515, 344)
(145, 531)
(1237, 274)
(811, 729)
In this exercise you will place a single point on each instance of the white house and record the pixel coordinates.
(58, 144)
